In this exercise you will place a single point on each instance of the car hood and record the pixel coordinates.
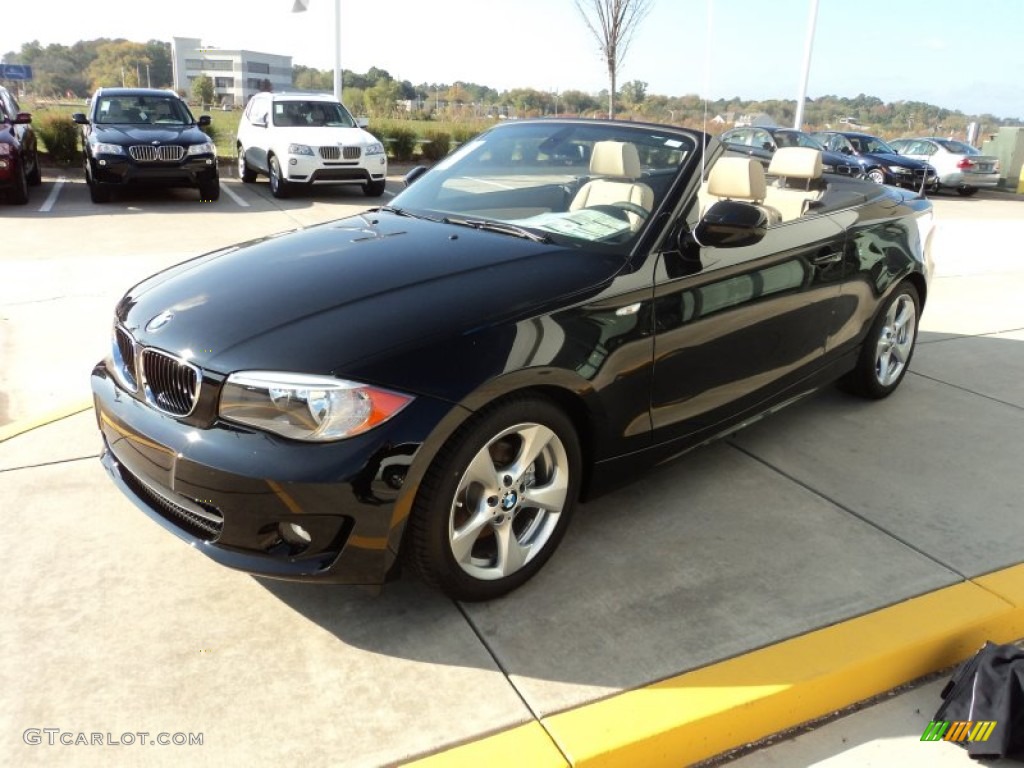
(322, 299)
(146, 134)
(320, 137)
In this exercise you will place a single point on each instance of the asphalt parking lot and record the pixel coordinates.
(829, 553)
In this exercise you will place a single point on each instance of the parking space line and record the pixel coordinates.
(52, 197)
(234, 196)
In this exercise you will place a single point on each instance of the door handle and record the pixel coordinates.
(828, 257)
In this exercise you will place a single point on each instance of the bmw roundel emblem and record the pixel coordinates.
(159, 321)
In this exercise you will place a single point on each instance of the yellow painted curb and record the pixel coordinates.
(525, 745)
(709, 711)
(22, 426)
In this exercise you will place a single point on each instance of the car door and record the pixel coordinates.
(256, 140)
(738, 329)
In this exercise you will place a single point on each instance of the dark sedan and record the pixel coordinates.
(761, 142)
(881, 163)
(145, 136)
(547, 310)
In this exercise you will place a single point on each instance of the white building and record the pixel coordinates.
(236, 73)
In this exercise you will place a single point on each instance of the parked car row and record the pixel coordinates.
(914, 163)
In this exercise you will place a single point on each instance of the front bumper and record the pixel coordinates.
(236, 494)
(310, 168)
(121, 170)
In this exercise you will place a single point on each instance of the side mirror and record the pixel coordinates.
(79, 118)
(204, 120)
(362, 122)
(846, 150)
(23, 118)
(260, 122)
(731, 224)
(769, 146)
(414, 174)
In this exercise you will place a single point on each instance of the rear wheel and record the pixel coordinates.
(887, 350)
(966, 191)
(245, 173)
(278, 186)
(497, 500)
(374, 188)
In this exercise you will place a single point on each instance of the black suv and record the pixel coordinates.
(19, 161)
(145, 136)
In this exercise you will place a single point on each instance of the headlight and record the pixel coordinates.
(899, 169)
(305, 407)
(206, 148)
(376, 148)
(99, 148)
(825, 168)
(299, 149)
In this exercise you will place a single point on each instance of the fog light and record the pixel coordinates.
(103, 162)
(294, 534)
(293, 161)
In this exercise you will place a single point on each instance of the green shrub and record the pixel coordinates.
(59, 137)
(400, 143)
(463, 133)
(435, 145)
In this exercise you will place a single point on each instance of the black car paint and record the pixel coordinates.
(461, 318)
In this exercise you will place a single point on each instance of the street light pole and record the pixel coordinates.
(303, 5)
(812, 21)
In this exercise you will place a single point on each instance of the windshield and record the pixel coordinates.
(959, 147)
(796, 139)
(871, 144)
(142, 110)
(566, 181)
(312, 114)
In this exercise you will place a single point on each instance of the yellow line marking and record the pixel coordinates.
(708, 711)
(22, 426)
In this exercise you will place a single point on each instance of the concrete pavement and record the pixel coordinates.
(823, 556)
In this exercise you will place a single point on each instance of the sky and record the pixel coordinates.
(957, 54)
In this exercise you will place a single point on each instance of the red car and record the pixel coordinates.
(19, 161)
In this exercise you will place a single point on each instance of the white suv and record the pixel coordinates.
(307, 138)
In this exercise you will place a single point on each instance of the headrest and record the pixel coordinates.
(796, 163)
(615, 158)
(737, 178)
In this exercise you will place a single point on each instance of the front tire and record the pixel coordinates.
(374, 188)
(19, 192)
(245, 173)
(497, 499)
(278, 185)
(35, 176)
(966, 191)
(209, 191)
(889, 346)
(876, 175)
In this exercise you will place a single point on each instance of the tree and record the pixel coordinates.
(119, 62)
(613, 23)
(202, 90)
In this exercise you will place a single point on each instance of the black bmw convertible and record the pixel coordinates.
(438, 381)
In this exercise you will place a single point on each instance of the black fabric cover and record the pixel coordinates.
(989, 686)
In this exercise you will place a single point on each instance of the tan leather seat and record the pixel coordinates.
(799, 181)
(618, 163)
(737, 178)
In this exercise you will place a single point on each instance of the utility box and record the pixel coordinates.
(1008, 146)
